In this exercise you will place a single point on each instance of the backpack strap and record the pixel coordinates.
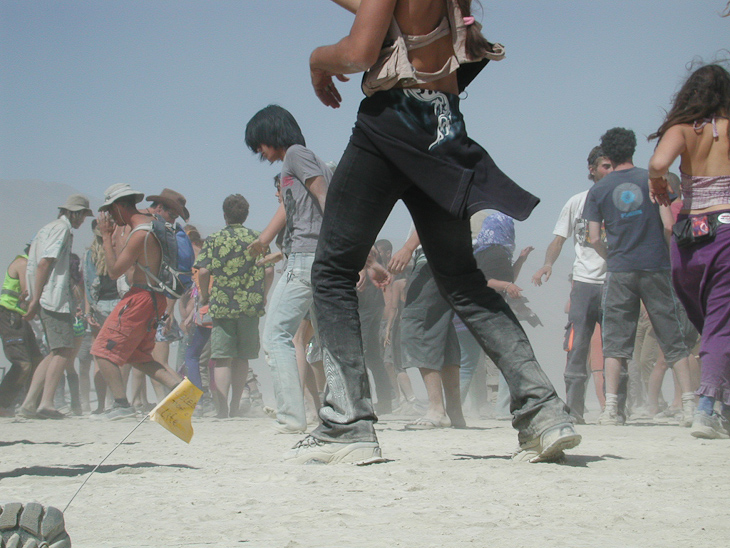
(153, 281)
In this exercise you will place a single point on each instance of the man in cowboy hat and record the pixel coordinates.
(49, 293)
(128, 334)
(167, 206)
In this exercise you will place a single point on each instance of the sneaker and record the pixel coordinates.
(116, 413)
(608, 417)
(686, 418)
(314, 451)
(708, 427)
(286, 429)
(549, 446)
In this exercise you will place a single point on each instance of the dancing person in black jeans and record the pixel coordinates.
(410, 143)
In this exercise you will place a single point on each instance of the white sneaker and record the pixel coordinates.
(608, 417)
(688, 410)
(708, 427)
(311, 450)
(549, 446)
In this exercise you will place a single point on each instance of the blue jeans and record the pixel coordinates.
(361, 195)
(198, 339)
(289, 303)
(471, 352)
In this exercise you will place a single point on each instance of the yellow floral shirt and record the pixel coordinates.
(238, 284)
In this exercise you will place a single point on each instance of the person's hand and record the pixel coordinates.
(399, 261)
(256, 248)
(167, 327)
(379, 276)
(271, 258)
(659, 191)
(546, 271)
(526, 252)
(324, 87)
(360, 285)
(34, 307)
(512, 290)
(91, 320)
(105, 223)
(386, 339)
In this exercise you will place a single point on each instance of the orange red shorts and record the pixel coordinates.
(128, 334)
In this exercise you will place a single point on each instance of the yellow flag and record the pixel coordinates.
(175, 410)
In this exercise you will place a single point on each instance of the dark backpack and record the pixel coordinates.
(175, 276)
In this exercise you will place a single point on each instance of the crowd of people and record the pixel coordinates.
(348, 315)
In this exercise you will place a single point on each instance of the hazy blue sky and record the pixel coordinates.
(157, 93)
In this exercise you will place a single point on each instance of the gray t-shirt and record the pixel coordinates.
(303, 215)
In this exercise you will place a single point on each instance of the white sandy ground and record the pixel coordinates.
(632, 486)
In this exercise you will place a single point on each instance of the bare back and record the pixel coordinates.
(704, 155)
(419, 17)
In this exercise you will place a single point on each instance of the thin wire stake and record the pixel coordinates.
(102, 461)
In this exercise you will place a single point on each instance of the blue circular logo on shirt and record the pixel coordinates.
(627, 197)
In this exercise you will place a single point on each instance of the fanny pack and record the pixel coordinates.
(698, 229)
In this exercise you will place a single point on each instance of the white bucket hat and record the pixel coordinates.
(119, 190)
(77, 202)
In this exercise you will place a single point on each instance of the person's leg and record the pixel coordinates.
(471, 353)
(656, 379)
(370, 317)
(435, 415)
(304, 334)
(289, 303)
(360, 197)
(621, 306)
(198, 338)
(664, 312)
(62, 357)
(447, 244)
(452, 395)
(239, 375)
(223, 375)
(596, 363)
(583, 317)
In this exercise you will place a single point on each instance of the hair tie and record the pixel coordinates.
(468, 20)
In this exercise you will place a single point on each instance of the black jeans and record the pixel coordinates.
(585, 313)
(361, 195)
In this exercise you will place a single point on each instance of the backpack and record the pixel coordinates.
(176, 265)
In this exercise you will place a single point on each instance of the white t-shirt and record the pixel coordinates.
(589, 266)
(53, 241)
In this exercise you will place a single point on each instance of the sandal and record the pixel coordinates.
(424, 423)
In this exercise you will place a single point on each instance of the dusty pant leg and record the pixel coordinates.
(361, 195)
(585, 300)
(447, 244)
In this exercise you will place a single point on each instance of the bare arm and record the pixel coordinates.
(551, 255)
(399, 261)
(594, 233)
(671, 145)
(204, 285)
(356, 52)
(277, 223)
(318, 187)
(517, 266)
(668, 221)
(42, 274)
(268, 280)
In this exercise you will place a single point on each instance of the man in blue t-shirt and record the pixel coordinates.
(638, 270)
